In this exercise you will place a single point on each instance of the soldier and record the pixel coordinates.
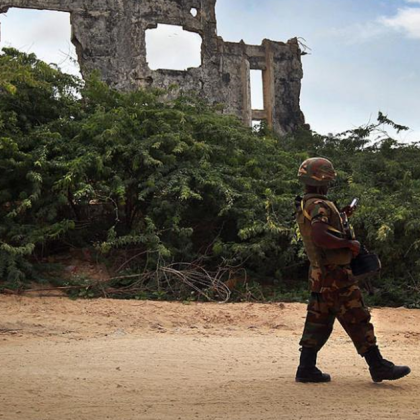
(335, 293)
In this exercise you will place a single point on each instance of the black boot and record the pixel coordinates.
(381, 369)
(307, 370)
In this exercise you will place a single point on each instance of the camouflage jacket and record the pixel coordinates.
(330, 269)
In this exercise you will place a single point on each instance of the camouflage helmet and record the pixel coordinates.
(316, 172)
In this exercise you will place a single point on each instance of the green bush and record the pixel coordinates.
(178, 182)
(118, 170)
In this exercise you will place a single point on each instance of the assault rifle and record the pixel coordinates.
(366, 263)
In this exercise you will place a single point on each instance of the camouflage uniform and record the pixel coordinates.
(335, 293)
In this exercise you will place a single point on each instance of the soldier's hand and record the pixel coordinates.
(348, 210)
(355, 248)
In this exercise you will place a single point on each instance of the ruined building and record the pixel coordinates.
(109, 35)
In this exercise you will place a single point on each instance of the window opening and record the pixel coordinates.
(44, 33)
(194, 12)
(257, 91)
(172, 48)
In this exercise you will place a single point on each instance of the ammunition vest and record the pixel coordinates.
(318, 256)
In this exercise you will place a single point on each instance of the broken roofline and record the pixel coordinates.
(109, 36)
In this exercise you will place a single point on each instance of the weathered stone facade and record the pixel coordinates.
(109, 35)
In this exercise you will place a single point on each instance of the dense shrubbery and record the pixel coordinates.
(386, 178)
(176, 182)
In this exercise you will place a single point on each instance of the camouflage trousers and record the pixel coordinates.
(348, 307)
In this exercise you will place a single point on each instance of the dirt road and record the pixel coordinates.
(133, 360)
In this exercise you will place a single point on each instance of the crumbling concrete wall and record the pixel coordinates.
(110, 35)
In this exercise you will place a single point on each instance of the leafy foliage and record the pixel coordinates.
(384, 175)
(93, 166)
(175, 182)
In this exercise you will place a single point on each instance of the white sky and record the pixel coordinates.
(164, 44)
(364, 54)
(44, 33)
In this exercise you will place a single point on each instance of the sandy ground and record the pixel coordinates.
(130, 360)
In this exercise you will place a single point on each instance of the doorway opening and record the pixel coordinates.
(257, 90)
